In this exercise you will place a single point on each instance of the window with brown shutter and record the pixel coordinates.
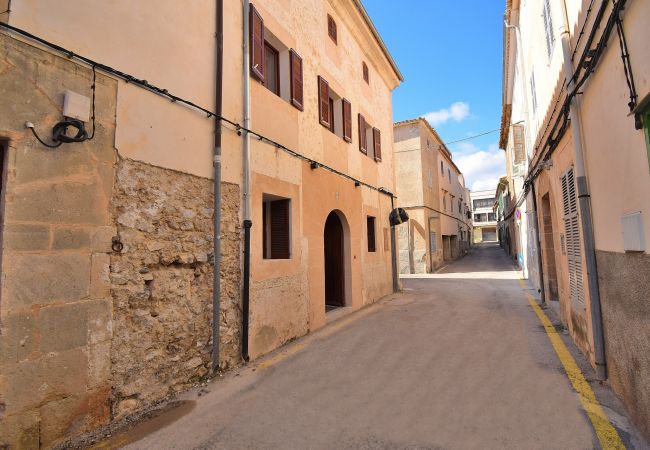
(324, 102)
(331, 28)
(256, 42)
(276, 226)
(366, 75)
(376, 138)
(347, 121)
(272, 68)
(363, 141)
(370, 222)
(332, 116)
(295, 69)
(520, 151)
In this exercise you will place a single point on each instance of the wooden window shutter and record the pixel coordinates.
(572, 233)
(324, 102)
(280, 234)
(331, 28)
(363, 139)
(295, 69)
(265, 244)
(520, 150)
(376, 137)
(347, 121)
(256, 42)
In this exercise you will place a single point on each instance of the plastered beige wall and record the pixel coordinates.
(169, 47)
(288, 295)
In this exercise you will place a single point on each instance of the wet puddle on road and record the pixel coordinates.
(150, 423)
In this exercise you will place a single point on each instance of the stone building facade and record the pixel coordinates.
(432, 189)
(107, 260)
(88, 334)
(590, 169)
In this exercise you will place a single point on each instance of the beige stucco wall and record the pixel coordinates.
(287, 296)
(614, 149)
(141, 40)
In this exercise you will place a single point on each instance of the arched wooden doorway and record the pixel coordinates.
(334, 244)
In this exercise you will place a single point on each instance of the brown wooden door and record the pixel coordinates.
(334, 262)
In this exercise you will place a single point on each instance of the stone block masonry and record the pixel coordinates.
(88, 335)
(55, 305)
(161, 283)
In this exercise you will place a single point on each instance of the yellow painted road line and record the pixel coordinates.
(280, 356)
(605, 431)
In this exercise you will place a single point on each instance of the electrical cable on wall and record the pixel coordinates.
(60, 133)
(144, 84)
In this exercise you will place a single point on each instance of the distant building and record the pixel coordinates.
(484, 219)
(505, 226)
(432, 189)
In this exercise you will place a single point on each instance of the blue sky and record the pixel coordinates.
(450, 53)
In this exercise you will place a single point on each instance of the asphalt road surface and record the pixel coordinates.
(458, 360)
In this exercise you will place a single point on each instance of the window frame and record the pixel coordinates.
(547, 15)
(268, 224)
(371, 233)
(332, 31)
(276, 53)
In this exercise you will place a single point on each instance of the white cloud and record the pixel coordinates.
(482, 168)
(458, 112)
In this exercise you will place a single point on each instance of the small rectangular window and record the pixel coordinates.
(332, 126)
(363, 137)
(366, 74)
(347, 120)
(272, 68)
(276, 227)
(376, 140)
(371, 234)
(533, 91)
(323, 102)
(442, 167)
(331, 29)
(519, 149)
(548, 28)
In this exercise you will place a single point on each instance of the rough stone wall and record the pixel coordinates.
(55, 307)
(161, 282)
(624, 281)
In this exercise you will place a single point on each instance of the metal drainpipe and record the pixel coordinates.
(585, 208)
(216, 276)
(247, 223)
(540, 266)
(393, 251)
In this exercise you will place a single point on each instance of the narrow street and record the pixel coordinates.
(459, 360)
